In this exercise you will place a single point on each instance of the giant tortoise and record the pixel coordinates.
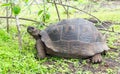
(71, 38)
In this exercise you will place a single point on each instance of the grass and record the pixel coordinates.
(113, 16)
(15, 61)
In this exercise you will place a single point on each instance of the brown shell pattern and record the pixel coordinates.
(74, 36)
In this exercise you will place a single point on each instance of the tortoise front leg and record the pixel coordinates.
(40, 49)
(97, 58)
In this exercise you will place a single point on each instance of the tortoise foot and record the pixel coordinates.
(96, 58)
(40, 56)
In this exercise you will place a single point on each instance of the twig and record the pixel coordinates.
(80, 10)
(25, 19)
(19, 35)
(7, 19)
(44, 16)
(62, 5)
(77, 9)
(20, 19)
(66, 10)
(108, 30)
(57, 10)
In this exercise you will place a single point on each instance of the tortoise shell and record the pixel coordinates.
(74, 36)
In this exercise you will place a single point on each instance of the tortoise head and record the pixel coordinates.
(33, 31)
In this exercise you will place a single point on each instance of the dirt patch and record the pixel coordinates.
(110, 64)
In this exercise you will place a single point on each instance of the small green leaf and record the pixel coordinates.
(47, 8)
(48, 0)
(16, 10)
(39, 13)
(47, 16)
(26, 1)
(6, 4)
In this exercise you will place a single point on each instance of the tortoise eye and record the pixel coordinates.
(32, 28)
(55, 31)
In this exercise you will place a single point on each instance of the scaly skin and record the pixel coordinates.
(39, 44)
(96, 58)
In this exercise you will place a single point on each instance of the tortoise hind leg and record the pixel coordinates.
(40, 49)
(97, 58)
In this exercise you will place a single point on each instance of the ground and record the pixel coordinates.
(15, 61)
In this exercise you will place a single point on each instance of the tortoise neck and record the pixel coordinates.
(37, 37)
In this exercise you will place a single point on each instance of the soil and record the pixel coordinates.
(109, 63)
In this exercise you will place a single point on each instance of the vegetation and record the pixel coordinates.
(16, 61)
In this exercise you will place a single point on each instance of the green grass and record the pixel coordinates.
(113, 16)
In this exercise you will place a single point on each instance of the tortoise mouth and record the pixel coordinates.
(30, 29)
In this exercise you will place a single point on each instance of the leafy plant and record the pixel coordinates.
(44, 14)
(16, 9)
